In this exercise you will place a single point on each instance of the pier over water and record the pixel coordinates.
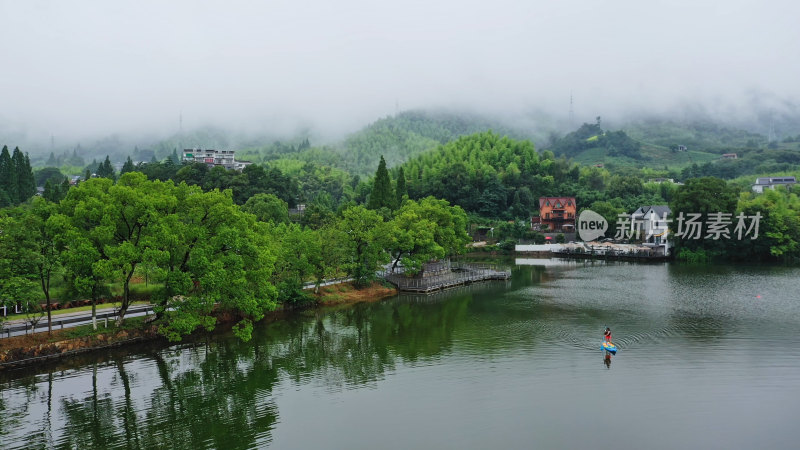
(443, 275)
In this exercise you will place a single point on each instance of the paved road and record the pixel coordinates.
(18, 327)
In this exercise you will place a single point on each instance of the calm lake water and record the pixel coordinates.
(709, 358)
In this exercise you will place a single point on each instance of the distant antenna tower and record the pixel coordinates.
(52, 142)
(397, 107)
(180, 122)
(571, 112)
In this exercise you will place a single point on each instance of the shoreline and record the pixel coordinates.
(26, 350)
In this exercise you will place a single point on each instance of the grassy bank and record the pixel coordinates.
(347, 293)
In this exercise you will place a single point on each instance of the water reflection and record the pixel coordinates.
(220, 392)
(533, 337)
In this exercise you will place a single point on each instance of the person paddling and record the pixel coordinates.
(607, 335)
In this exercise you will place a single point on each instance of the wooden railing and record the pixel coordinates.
(459, 274)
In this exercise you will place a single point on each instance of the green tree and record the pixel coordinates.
(51, 192)
(332, 252)
(317, 215)
(517, 209)
(209, 253)
(133, 214)
(25, 178)
(625, 186)
(426, 230)
(75, 159)
(364, 243)
(127, 167)
(610, 212)
(48, 173)
(8, 176)
(779, 227)
(62, 192)
(267, 208)
(401, 191)
(81, 272)
(382, 195)
(38, 233)
(702, 196)
(91, 233)
(5, 200)
(105, 169)
(17, 283)
(295, 262)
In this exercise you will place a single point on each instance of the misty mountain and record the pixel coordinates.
(657, 142)
(397, 138)
(703, 135)
(405, 135)
(665, 143)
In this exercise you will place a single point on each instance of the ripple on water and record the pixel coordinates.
(501, 363)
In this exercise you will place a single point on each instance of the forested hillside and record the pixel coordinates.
(405, 135)
(698, 135)
(397, 138)
(690, 150)
(494, 176)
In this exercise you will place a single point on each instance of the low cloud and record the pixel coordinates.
(90, 68)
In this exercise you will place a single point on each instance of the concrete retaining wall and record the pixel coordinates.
(538, 248)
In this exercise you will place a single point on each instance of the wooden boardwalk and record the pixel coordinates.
(457, 276)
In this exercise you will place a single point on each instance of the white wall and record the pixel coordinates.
(538, 248)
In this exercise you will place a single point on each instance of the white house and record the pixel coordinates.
(771, 182)
(224, 158)
(651, 225)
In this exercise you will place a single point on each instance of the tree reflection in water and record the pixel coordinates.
(219, 392)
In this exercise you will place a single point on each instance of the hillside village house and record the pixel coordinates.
(224, 158)
(650, 224)
(771, 182)
(557, 214)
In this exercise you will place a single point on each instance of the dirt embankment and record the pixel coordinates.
(346, 293)
(30, 348)
(25, 349)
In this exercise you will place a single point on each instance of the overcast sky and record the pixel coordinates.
(113, 66)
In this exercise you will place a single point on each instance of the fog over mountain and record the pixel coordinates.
(82, 69)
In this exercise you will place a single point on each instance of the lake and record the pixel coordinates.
(709, 357)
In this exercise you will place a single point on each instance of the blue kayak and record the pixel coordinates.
(609, 347)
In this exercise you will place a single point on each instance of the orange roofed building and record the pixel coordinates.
(557, 213)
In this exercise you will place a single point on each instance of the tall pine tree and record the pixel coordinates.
(50, 191)
(75, 159)
(8, 177)
(29, 179)
(127, 167)
(382, 195)
(64, 189)
(105, 169)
